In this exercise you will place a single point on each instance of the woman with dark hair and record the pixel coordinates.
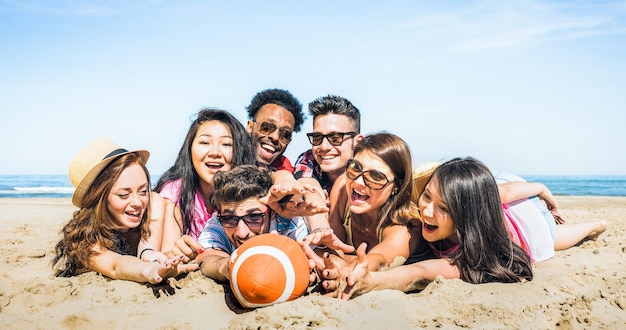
(462, 220)
(216, 141)
(112, 232)
(371, 203)
(467, 222)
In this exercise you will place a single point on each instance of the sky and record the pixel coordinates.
(528, 87)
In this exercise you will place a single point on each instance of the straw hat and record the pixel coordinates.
(421, 176)
(90, 161)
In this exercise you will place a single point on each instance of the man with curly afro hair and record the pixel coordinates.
(274, 115)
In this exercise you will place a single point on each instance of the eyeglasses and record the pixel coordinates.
(335, 138)
(373, 178)
(251, 220)
(267, 128)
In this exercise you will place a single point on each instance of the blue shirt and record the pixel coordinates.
(213, 235)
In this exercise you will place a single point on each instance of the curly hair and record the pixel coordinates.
(279, 97)
(241, 183)
(243, 153)
(486, 252)
(395, 152)
(93, 224)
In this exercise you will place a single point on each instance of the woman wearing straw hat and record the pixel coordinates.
(111, 233)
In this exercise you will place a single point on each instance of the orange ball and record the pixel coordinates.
(268, 269)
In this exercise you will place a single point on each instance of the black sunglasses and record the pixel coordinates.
(267, 128)
(251, 220)
(373, 178)
(335, 138)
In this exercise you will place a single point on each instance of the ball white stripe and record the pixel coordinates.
(290, 275)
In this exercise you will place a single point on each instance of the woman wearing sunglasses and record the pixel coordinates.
(371, 203)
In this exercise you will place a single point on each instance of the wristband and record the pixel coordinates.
(317, 230)
(144, 250)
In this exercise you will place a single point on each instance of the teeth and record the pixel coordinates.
(268, 147)
(327, 157)
(429, 224)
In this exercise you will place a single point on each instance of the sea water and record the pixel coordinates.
(59, 186)
(29, 186)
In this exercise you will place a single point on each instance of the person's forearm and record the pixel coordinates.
(215, 267)
(375, 261)
(404, 278)
(317, 221)
(129, 268)
(516, 190)
(412, 277)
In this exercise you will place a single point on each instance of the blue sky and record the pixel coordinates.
(529, 87)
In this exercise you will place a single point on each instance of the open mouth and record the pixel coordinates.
(135, 214)
(429, 226)
(267, 151)
(359, 197)
(327, 157)
(214, 166)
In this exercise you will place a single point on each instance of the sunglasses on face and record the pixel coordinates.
(267, 128)
(251, 220)
(334, 138)
(374, 179)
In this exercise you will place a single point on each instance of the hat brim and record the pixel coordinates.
(85, 183)
(421, 176)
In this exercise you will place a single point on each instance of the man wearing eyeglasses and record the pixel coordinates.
(240, 200)
(274, 115)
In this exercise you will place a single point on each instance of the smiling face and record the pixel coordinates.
(211, 151)
(270, 146)
(242, 232)
(333, 159)
(129, 197)
(363, 199)
(437, 224)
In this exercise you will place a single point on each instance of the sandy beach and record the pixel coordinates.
(581, 288)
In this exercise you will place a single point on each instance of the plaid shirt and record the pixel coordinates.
(307, 167)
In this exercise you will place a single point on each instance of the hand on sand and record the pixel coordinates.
(334, 275)
(360, 277)
(157, 272)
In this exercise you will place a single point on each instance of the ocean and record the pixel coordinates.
(59, 186)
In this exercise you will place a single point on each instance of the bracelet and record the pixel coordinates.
(144, 250)
(318, 229)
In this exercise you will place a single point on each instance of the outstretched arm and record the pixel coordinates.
(125, 267)
(324, 230)
(404, 278)
(516, 190)
(214, 264)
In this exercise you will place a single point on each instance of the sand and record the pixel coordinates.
(581, 288)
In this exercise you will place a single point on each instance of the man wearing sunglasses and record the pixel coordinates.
(274, 115)
(336, 131)
(243, 213)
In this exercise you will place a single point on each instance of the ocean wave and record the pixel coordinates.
(39, 190)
